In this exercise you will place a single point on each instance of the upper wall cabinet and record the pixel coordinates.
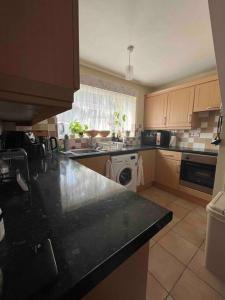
(39, 56)
(180, 107)
(155, 111)
(173, 108)
(207, 96)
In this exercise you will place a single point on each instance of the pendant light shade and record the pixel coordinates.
(129, 68)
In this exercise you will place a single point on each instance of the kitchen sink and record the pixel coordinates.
(77, 152)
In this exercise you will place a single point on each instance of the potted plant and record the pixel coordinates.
(77, 128)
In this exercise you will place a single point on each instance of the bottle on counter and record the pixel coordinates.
(2, 227)
(66, 142)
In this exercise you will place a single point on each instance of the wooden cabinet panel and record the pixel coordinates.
(97, 163)
(155, 111)
(207, 96)
(39, 55)
(149, 158)
(167, 171)
(180, 107)
(37, 40)
(169, 154)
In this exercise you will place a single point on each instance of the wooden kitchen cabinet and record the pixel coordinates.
(207, 96)
(39, 57)
(97, 163)
(173, 108)
(168, 169)
(180, 108)
(149, 159)
(155, 111)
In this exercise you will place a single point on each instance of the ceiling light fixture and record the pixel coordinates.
(130, 68)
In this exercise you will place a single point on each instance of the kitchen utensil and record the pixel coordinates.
(217, 139)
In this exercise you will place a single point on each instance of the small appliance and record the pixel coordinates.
(156, 138)
(14, 168)
(35, 147)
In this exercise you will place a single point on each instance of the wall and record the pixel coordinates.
(202, 136)
(217, 15)
(104, 80)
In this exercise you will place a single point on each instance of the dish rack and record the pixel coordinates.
(110, 146)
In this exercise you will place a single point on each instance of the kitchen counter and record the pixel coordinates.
(93, 224)
(131, 149)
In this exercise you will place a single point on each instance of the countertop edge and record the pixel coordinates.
(95, 276)
(142, 148)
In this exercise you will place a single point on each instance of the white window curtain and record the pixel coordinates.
(95, 107)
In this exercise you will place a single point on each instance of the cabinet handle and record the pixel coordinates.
(167, 155)
(189, 118)
(212, 107)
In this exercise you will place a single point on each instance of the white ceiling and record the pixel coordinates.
(172, 38)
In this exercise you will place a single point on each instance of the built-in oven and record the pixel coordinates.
(198, 171)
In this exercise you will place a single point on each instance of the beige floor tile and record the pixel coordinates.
(197, 266)
(159, 196)
(190, 232)
(169, 297)
(203, 246)
(178, 246)
(154, 290)
(165, 268)
(186, 203)
(190, 287)
(166, 229)
(201, 211)
(178, 211)
(197, 219)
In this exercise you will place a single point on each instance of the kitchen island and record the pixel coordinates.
(95, 226)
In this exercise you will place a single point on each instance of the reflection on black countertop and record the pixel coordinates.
(93, 224)
(136, 148)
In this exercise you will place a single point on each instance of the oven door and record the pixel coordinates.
(197, 176)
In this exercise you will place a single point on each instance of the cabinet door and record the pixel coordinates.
(39, 43)
(168, 172)
(148, 157)
(155, 111)
(97, 164)
(180, 108)
(207, 96)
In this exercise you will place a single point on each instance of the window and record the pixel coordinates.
(96, 107)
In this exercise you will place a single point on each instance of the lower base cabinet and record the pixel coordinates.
(128, 281)
(97, 163)
(167, 169)
(149, 160)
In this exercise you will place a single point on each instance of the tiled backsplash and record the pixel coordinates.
(202, 136)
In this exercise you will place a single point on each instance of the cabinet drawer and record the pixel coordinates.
(169, 154)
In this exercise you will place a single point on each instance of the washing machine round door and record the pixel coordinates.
(125, 176)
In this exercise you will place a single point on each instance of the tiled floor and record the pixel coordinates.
(176, 261)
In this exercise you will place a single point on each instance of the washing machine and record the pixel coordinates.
(125, 170)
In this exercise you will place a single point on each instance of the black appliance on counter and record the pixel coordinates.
(156, 138)
(35, 147)
(198, 172)
(14, 168)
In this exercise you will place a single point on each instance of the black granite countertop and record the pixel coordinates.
(131, 149)
(93, 224)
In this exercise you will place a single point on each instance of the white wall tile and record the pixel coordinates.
(206, 135)
(190, 140)
(199, 146)
(216, 119)
(204, 124)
